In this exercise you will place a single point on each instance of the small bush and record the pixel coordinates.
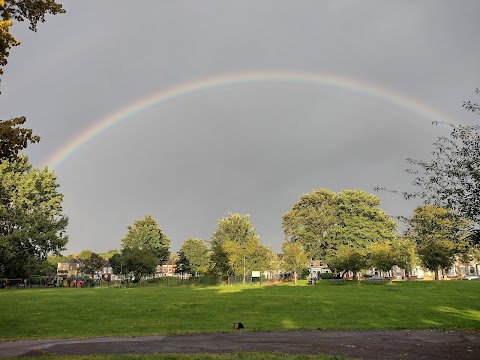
(305, 273)
(326, 276)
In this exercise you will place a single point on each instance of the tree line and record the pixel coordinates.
(346, 230)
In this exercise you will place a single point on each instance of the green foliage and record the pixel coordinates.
(324, 221)
(194, 257)
(310, 222)
(326, 276)
(348, 259)
(235, 228)
(405, 253)
(91, 264)
(55, 259)
(85, 254)
(182, 264)
(248, 256)
(116, 262)
(304, 273)
(360, 222)
(145, 234)
(452, 178)
(33, 11)
(231, 234)
(14, 138)
(107, 255)
(139, 261)
(294, 258)
(381, 256)
(32, 225)
(439, 236)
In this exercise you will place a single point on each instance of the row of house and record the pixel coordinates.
(458, 271)
(71, 268)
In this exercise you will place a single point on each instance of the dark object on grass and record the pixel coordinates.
(238, 326)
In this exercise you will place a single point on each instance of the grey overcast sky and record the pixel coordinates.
(252, 147)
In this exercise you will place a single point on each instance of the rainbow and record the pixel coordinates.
(102, 125)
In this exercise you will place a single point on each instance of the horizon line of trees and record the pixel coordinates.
(357, 236)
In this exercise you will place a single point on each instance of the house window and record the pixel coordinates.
(472, 270)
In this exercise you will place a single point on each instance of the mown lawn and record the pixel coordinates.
(90, 312)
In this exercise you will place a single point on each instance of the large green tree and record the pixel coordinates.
(381, 256)
(451, 179)
(139, 261)
(360, 222)
(91, 264)
(235, 229)
(405, 254)
(32, 224)
(194, 256)
(348, 258)
(311, 220)
(117, 263)
(438, 236)
(243, 258)
(324, 221)
(145, 234)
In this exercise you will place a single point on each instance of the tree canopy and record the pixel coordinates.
(348, 258)
(194, 256)
(91, 264)
(438, 236)
(311, 220)
(324, 221)
(14, 137)
(145, 234)
(139, 261)
(451, 179)
(294, 258)
(232, 231)
(33, 11)
(32, 224)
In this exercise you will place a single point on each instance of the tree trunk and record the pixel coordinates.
(436, 275)
(295, 277)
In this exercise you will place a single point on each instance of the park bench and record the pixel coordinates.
(374, 280)
(337, 281)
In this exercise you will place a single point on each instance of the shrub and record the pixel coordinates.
(326, 276)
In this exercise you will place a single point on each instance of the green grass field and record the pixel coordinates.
(90, 312)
